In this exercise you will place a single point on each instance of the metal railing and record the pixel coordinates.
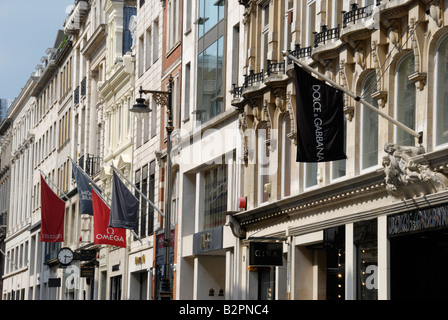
(300, 53)
(325, 35)
(253, 77)
(90, 164)
(275, 67)
(356, 14)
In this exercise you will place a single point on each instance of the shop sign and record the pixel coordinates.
(87, 255)
(140, 260)
(54, 282)
(418, 221)
(87, 272)
(208, 240)
(266, 254)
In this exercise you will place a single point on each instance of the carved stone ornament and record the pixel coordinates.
(406, 174)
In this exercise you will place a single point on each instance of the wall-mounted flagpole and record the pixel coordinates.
(54, 184)
(418, 135)
(132, 185)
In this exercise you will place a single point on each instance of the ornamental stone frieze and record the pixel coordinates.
(408, 174)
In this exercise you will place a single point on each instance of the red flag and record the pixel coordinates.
(103, 233)
(52, 214)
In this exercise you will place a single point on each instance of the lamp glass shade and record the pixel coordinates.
(140, 109)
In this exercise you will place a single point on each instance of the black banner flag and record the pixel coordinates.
(320, 119)
(124, 208)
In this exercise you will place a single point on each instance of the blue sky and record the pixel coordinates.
(27, 29)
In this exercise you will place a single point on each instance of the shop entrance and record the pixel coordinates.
(419, 265)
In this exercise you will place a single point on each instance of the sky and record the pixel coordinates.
(27, 29)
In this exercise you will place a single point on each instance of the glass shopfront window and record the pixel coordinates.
(215, 197)
(365, 240)
(334, 244)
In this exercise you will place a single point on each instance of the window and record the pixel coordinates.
(264, 36)
(151, 195)
(369, 126)
(173, 36)
(310, 174)
(128, 12)
(155, 41)
(143, 202)
(210, 81)
(405, 100)
(175, 102)
(263, 165)
(441, 94)
(215, 197)
(210, 13)
(336, 10)
(311, 23)
(187, 91)
(145, 182)
(141, 50)
(236, 54)
(286, 157)
(338, 167)
(188, 15)
(211, 26)
(365, 240)
(148, 48)
(115, 288)
(175, 198)
(288, 24)
(153, 116)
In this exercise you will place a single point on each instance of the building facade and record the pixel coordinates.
(246, 220)
(347, 227)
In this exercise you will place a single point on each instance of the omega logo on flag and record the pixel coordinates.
(102, 232)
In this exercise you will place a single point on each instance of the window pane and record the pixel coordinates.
(215, 201)
(369, 126)
(405, 101)
(441, 106)
(210, 74)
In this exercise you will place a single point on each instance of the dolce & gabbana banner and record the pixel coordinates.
(320, 119)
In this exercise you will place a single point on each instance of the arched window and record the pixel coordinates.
(441, 94)
(262, 164)
(369, 126)
(405, 100)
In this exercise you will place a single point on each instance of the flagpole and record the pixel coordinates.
(46, 178)
(127, 180)
(418, 135)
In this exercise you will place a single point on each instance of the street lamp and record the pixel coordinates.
(162, 98)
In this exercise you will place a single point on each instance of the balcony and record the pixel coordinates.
(300, 53)
(253, 78)
(74, 20)
(355, 14)
(325, 35)
(90, 164)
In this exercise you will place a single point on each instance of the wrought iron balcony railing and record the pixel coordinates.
(275, 67)
(90, 164)
(253, 77)
(300, 53)
(325, 35)
(356, 14)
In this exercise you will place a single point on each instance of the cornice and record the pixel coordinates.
(352, 190)
(96, 40)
